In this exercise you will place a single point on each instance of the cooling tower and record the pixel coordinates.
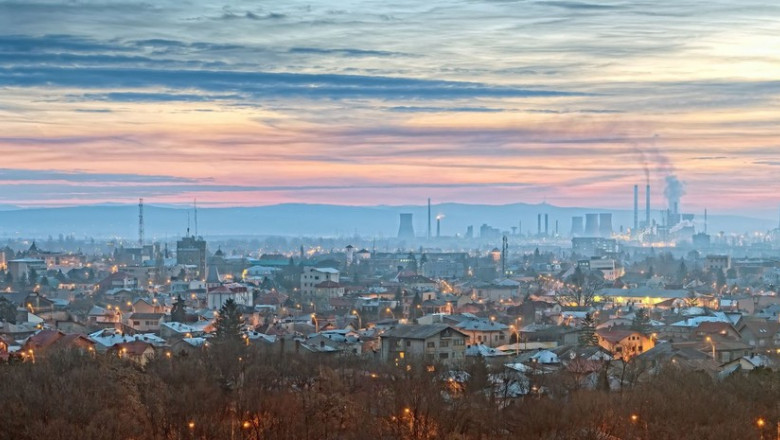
(406, 230)
(605, 225)
(576, 226)
(591, 225)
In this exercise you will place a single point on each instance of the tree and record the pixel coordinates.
(229, 322)
(682, 272)
(582, 290)
(412, 266)
(178, 314)
(9, 279)
(416, 304)
(7, 311)
(720, 279)
(588, 332)
(641, 321)
(32, 275)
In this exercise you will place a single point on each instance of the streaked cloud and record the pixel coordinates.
(264, 102)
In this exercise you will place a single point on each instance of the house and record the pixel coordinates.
(44, 341)
(145, 322)
(679, 355)
(177, 330)
(312, 276)
(218, 296)
(188, 346)
(760, 333)
(712, 329)
(143, 305)
(484, 331)
(624, 344)
(746, 364)
(328, 289)
(721, 350)
(107, 338)
(139, 352)
(103, 317)
(416, 283)
(432, 342)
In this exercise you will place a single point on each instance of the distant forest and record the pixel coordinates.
(230, 391)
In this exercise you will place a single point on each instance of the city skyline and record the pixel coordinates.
(569, 103)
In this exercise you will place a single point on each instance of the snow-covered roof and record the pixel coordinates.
(179, 327)
(484, 351)
(110, 337)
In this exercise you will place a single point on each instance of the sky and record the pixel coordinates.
(390, 102)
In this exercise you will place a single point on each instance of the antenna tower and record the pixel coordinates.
(141, 223)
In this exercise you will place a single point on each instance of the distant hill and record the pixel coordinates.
(312, 220)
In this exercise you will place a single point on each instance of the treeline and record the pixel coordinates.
(231, 391)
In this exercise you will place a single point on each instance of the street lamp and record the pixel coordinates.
(517, 339)
(316, 323)
(360, 321)
(388, 310)
(712, 343)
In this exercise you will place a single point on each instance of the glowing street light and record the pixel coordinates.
(517, 339)
(316, 323)
(712, 343)
(360, 320)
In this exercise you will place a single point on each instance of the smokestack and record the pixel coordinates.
(429, 218)
(406, 230)
(576, 226)
(705, 220)
(556, 228)
(546, 225)
(538, 224)
(636, 208)
(647, 206)
(591, 225)
(605, 225)
(438, 227)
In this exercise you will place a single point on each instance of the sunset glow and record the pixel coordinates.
(361, 103)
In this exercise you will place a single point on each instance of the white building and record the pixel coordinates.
(312, 276)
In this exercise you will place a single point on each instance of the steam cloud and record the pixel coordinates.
(674, 190)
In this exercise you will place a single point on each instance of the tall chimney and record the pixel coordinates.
(705, 220)
(538, 224)
(429, 218)
(636, 208)
(438, 227)
(546, 225)
(647, 206)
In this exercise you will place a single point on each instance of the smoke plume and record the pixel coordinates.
(674, 190)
